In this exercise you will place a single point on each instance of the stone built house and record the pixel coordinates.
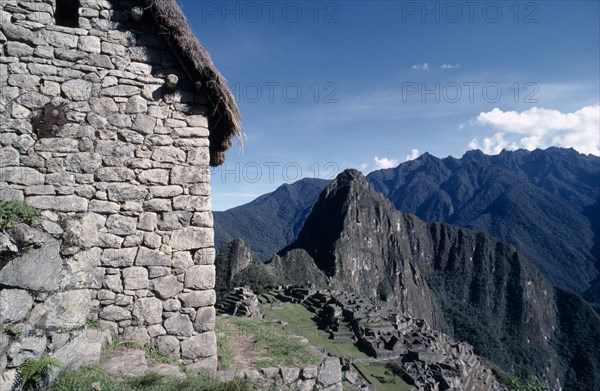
(111, 112)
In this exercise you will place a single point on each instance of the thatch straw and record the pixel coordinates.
(224, 119)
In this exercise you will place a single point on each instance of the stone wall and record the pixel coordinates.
(88, 129)
(43, 305)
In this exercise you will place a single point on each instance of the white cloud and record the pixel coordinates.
(450, 66)
(363, 166)
(385, 162)
(421, 67)
(541, 128)
(414, 153)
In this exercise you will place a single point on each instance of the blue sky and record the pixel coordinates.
(328, 85)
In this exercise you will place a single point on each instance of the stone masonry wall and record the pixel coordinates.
(124, 155)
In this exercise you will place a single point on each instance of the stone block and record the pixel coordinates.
(135, 277)
(200, 277)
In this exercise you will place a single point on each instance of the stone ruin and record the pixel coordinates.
(110, 115)
(423, 357)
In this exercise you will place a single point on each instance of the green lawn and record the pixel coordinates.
(381, 378)
(300, 322)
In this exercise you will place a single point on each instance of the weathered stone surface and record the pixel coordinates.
(165, 191)
(137, 335)
(26, 348)
(118, 258)
(152, 240)
(148, 311)
(104, 207)
(144, 124)
(191, 238)
(330, 371)
(84, 269)
(71, 354)
(113, 282)
(206, 364)
(9, 157)
(103, 106)
(77, 90)
(14, 305)
(135, 277)
(179, 324)
(58, 39)
(200, 277)
(116, 313)
(38, 269)
(18, 49)
(70, 203)
(203, 219)
(185, 175)
(125, 192)
(168, 345)
(158, 205)
(192, 203)
(66, 310)
(147, 221)
(18, 33)
(205, 256)
(136, 105)
(289, 374)
(166, 287)
(309, 372)
(83, 162)
(171, 221)
(147, 257)
(127, 362)
(89, 44)
(172, 305)
(168, 155)
(154, 177)
(198, 298)
(205, 319)
(202, 345)
(7, 247)
(121, 225)
(21, 176)
(115, 174)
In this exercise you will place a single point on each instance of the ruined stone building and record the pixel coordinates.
(111, 113)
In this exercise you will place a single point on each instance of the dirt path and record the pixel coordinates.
(244, 346)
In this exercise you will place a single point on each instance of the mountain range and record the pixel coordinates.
(544, 202)
(464, 283)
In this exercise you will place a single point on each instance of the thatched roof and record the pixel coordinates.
(224, 120)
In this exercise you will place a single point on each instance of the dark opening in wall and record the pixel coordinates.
(67, 13)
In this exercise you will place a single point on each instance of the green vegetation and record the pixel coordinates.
(279, 347)
(225, 351)
(93, 378)
(300, 322)
(33, 374)
(13, 212)
(382, 378)
(515, 384)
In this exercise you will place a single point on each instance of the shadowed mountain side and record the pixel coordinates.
(465, 283)
(270, 222)
(534, 200)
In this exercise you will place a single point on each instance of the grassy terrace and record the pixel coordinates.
(300, 322)
(382, 378)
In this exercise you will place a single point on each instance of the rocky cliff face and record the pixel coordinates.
(355, 237)
(465, 283)
(235, 257)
